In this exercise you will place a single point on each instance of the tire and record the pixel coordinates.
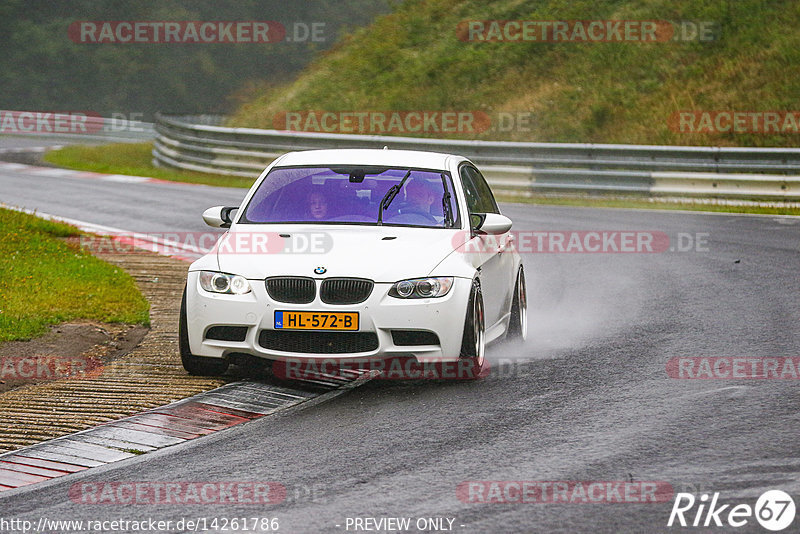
(196, 365)
(473, 342)
(518, 324)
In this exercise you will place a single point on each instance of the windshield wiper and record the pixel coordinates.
(446, 209)
(389, 196)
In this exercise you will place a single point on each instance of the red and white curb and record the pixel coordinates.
(184, 420)
(181, 421)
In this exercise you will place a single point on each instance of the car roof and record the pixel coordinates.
(367, 156)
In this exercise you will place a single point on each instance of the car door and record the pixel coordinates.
(496, 266)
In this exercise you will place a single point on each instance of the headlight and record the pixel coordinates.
(232, 284)
(422, 288)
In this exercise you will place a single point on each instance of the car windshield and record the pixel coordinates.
(355, 195)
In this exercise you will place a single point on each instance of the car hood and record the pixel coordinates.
(383, 254)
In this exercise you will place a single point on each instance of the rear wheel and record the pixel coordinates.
(195, 365)
(473, 342)
(518, 325)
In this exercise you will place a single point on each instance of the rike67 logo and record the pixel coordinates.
(774, 510)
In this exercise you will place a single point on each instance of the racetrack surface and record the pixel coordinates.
(587, 398)
(136, 207)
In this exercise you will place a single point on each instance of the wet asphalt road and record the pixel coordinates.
(586, 398)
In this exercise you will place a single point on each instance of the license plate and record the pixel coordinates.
(304, 320)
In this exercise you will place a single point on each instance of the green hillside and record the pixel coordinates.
(45, 66)
(603, 92)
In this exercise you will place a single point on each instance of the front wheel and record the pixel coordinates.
(518, 324)
(473, 343)
(196, 365)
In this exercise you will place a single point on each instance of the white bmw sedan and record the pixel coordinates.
(356, 254)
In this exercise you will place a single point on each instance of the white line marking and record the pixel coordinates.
(45, 171)
(13, 166)
(123, 178)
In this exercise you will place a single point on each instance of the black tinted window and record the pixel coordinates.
(478, 194)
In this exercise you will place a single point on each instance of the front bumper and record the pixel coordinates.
(379, 315)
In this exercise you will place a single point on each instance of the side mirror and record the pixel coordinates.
(490, 223)
(220, 216)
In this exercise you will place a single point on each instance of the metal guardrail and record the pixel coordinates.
(200, 143)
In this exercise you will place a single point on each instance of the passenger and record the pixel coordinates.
(317, 205)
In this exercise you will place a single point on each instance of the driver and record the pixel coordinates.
(419, 198)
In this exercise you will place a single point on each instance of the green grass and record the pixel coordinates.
(643, 203)
(46, 280)
(615, 92)
(134, 159)
(134, 451)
